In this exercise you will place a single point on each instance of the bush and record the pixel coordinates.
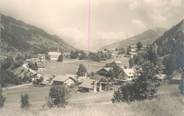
(2, 98)
(82, 55)
(81, 70)
(139, 45)
(116, 71)
(58, 96)
(140, 89)
(18, 60)
(124, 93)
(60, 58)
(25, 101)
(74, 54)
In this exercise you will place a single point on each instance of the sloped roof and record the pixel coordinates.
(129, 71)
(87, 83)
(161, 76)
(118, 62)
(108, 69)
(61, 78)
(176, 75)
(99, 77)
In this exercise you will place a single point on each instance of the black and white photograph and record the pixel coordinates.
(91, 57)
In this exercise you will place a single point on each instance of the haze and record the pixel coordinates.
(111, 20)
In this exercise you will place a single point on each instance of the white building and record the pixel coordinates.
(54, 55)
(42, 57)
(129, 73)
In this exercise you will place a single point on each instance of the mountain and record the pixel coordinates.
(171, 41)
(17, 36)
(170, 46)
(146, 37)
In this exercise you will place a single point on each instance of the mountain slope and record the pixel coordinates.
(146, 37)
(170, 46)
(17, 36)
(172, 40)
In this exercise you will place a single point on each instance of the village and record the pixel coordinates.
(86, 79)
(94, 81)
(91, 58)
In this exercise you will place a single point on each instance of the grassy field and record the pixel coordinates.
(168, 103)
(70, 66)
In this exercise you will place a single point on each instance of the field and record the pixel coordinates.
(168, 103)
(70, 66)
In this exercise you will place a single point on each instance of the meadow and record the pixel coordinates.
(70, 66)
(169, 101)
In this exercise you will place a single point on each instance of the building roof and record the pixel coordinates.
(161, 76)
(176, 75)
(87, 83)
(99, 77)
(129, 71)
(108, 69)
(118, 62)
(47, 77)
(61, 78)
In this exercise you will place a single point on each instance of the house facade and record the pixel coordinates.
(129, 73)
(54, 55)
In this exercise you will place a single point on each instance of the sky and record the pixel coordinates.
(106, 22)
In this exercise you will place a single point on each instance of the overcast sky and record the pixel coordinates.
(111, 20)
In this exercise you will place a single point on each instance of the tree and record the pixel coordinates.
(170, 64)
(74, 54)
(2, 98)
(58, 96)
(128, 50)
(60, 58)
(121, 51)
(143, 87)
(6, 74)
(24, 100)
(131, 62)
(115, 73)
(7, 63)
(139, 45)
(18, 60)
(82, 55)
(92, 74)
(81, 70)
